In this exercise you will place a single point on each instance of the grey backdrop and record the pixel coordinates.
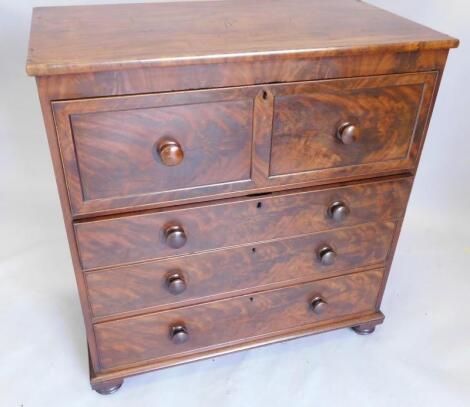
(420, 356)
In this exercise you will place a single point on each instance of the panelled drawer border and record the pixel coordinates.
(426, 80)
(62, 111)
(260, 181)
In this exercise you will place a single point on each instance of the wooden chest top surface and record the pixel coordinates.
(78, 39)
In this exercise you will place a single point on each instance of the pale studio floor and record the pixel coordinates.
(419, 357)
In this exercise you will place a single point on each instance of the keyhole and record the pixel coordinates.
(259, 205)
(265, 95)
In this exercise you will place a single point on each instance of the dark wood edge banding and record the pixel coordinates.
(305, 330)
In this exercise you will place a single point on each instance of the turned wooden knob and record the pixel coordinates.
(175, 283)
(175, 236)
(170, 152)
(348, 133)
(326, 255)
(338, 211)
(179, 334)
(318, 305)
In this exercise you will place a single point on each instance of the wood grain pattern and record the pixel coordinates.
(54, 148)
(128, 239)
(234, 320)
(108, 145)
(116, 151)
(229, 272)
(386, 110)
(204, 76)
(64, 39)
(222, 73)
(285, 335)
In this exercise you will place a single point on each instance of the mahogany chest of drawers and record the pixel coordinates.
(231, 173)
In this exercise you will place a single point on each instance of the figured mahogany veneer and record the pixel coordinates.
(233, 31)
(232, 271)
(221, 323)
(231, 173)
(111, 155)
(388, 114)
(127, 239)
(111, 146)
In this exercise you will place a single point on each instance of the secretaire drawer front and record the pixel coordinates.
(225, 322)
(349, 127)
(126, 151)
(177, 281)
(127, 239)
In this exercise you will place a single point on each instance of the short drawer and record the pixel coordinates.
(127, 239)
(346, 127)
(124, 151)
(183, 280)
(227, 322)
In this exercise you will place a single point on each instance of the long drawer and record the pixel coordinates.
(182, 280)
(226, 322)
(134, 238)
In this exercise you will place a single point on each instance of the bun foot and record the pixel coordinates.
(109, 387)
(364, 329)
